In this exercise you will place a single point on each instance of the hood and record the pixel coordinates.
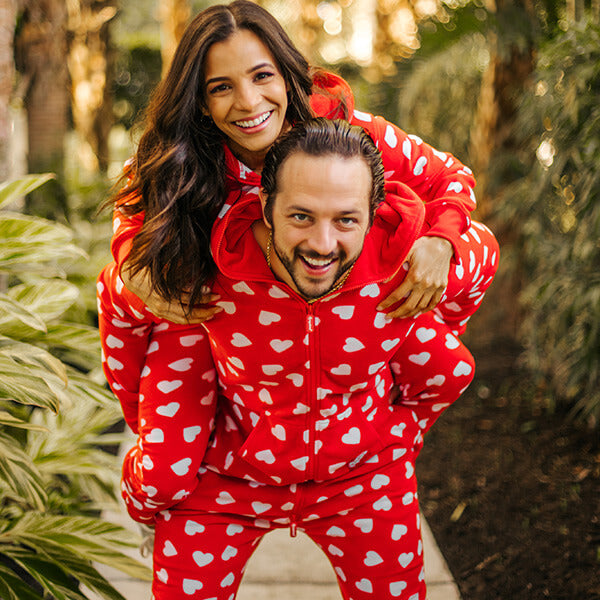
(332, 96)
(397, 223)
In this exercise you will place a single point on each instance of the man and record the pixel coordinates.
(306, 433)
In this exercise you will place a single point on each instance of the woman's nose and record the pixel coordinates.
(247, 97)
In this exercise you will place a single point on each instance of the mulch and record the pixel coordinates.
(511, 489)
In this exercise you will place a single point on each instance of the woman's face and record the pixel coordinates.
(246, 95)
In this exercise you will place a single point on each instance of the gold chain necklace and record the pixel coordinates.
(335, 288)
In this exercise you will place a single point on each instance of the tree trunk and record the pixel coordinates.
(8, 16)
(89, 66)
(41, 57)
(494, 138)
(174, 16)
(493, 133)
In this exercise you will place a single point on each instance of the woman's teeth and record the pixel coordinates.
(254, 122)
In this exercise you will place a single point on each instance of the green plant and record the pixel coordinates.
(556, 211)
(54, 412)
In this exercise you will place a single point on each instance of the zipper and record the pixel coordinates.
(311, 388)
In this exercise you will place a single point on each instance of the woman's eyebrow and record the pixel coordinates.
(249, 71)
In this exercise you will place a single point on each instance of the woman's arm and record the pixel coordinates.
(177, 401)
(446, 187)
(125, 228)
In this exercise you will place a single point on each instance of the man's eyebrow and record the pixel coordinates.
(248, 72)
(297, 208)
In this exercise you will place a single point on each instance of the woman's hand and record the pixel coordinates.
(428, 266)
(174, 311)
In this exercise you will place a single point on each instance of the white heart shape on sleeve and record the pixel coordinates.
(191, 433)
(156, 436)
(181, 467)
(114, 342)
(168, 410)
(239, 340)
(166, 386)
(191, 527)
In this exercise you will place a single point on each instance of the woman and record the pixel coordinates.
(224, 101)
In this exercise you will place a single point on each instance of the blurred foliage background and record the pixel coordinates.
(511, 87)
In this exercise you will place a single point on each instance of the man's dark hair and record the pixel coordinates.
(322, 137)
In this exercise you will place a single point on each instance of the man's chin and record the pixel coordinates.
(314, 292)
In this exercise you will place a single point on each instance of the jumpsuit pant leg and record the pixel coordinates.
(367, 524)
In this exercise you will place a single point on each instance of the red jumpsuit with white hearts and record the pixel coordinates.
(304, 434)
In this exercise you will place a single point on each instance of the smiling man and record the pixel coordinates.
(324, 208)
(322, 400)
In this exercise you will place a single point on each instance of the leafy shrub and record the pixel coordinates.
(54, 412)
(556, 211)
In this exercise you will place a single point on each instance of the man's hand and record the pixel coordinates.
(428, 266)
(173, 311)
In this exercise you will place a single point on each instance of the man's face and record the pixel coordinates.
(320, 219)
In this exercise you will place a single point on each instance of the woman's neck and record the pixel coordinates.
(253, 160)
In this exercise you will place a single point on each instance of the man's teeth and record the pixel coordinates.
(317, 262)
(254, 122)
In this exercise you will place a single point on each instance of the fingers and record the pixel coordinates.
(402, 292)
(417, 303)
(176, 312)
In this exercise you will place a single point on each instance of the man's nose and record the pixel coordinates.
(323, 239)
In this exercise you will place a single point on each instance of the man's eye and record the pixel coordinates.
(300, 217)
(347, 221)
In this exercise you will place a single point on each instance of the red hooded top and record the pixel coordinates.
(307, 383)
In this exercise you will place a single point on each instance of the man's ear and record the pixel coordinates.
(263, 202)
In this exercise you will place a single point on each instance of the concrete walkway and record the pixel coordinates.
(286, 568)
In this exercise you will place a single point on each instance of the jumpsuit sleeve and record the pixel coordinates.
(125, 328)
(443, 183)
(177, 401)
(123, 320)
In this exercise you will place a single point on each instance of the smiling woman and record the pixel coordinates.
(246, 96)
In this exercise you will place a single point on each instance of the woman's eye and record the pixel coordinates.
(218, 88)
(263, 75)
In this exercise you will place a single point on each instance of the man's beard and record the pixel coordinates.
(310, 294)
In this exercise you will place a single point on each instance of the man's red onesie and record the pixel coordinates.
(305, 435)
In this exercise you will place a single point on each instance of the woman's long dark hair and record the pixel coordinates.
(178, 172)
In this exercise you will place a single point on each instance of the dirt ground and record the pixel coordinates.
(511, 492)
